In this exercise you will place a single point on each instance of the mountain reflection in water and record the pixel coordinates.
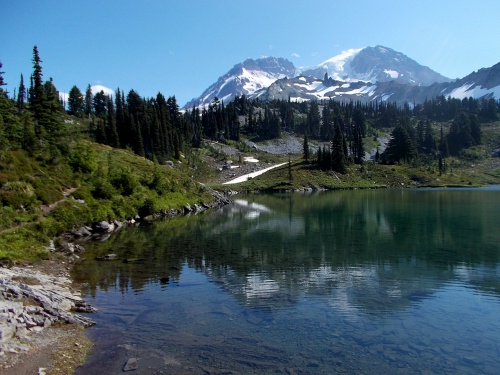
(351, 281)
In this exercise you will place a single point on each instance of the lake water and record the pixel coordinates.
(352, 282)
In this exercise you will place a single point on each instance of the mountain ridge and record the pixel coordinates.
(364, 74)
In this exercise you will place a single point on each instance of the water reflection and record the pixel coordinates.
(338, 280)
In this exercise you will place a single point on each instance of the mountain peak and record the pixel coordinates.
(245, 79)
(375, 64)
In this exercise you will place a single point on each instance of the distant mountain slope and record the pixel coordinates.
(309, 88)
(244, 79)
(483, 83)
(366, 74)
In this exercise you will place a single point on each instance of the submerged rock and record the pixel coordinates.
(107, 257)
(131, 365)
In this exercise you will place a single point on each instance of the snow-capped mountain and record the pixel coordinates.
(483, 83)
(245, 79)
(372, 73)
(375, 64)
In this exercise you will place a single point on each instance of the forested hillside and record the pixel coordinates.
(54, 178)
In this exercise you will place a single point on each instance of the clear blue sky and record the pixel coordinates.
(181, 47)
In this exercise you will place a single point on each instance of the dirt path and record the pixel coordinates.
(44, 210)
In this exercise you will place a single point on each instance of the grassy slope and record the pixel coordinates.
(33, 208)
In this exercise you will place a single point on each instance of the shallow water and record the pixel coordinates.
(355, 282)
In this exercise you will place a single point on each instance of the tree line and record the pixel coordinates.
(158, 129)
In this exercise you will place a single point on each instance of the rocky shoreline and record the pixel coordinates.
(32, 301)
(36, 300)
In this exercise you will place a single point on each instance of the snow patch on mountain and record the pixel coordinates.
(338, 67)
(254, 80)
(391, 73)
(474, 91)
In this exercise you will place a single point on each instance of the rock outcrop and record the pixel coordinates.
(32, 301)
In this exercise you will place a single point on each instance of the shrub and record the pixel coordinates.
(102, 189)
(124, 182)
(47, 192)
(17, 194)
(83, 158)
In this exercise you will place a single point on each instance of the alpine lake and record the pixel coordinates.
(403, 281)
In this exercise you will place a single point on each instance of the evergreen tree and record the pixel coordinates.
(10, 126)
(429, 142)
(2, 82)
(37, 94)
(306, 148)
(475, 129)
(121, 125)
(99, 104)
(76, 102)
(44, 102)
(21, 96)
(29, 142)
(326, 131)
(357, 144)
(489, 110)
(460, 136)
(53, 107)
(359, 118)
(88, 101)
(112, 133)
(338, 157)
(319, 157)
(138, 145)
(313, 120)
(400, 147)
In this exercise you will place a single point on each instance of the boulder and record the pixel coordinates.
(82, 232)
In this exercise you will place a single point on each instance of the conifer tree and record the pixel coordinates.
(88, 100)
(475, 129)
(319, 157)
(37, 94)
(2, 82)
(306, 148)
(357, 144)
(138, 145)
(400, 146)
(460, 136)
(76, 102)
(99, 104)
(339, 160)
(21, 95)
(112, 133)
(429, 142)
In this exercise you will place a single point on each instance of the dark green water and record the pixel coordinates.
(353, 282)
